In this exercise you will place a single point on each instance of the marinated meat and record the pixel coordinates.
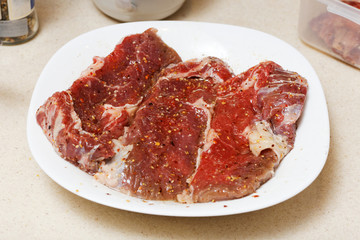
(83, 121)
(340, 35)
(146, 124)
(252, 129)
(158, 153)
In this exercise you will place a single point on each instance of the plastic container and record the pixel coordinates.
(138, 10)
(333, 27)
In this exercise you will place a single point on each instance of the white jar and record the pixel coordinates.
(138, 10)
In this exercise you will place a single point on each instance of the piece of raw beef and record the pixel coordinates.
(83, 122)
(160, 149)
(252, 128)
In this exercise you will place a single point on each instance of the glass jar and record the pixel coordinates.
(18, 21)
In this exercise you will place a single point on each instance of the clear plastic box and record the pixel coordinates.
(332, 26)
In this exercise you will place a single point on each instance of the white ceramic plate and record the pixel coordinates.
(241, 48)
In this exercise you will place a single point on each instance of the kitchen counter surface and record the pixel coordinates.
(34, 207)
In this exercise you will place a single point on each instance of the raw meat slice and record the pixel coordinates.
(252, 129)
(160, 149)
(83, 122)
(340, 35)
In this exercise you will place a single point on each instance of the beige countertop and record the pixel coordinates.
(34, 207)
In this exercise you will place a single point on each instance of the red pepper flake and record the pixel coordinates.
(255, 196)
(225, 205)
